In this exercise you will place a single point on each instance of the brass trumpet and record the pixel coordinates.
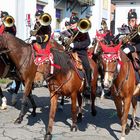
(8, 21)
(84, 25)
(44, 20)
(132, 35)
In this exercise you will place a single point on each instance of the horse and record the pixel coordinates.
(64, 79)
(2, 73)
(20, 54)
(119, 75)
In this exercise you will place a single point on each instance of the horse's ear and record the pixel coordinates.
(117, 47)
(103, 46)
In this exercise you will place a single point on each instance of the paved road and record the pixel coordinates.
(105, 126)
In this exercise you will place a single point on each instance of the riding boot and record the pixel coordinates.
(87, 91)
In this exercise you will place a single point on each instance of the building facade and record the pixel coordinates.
(24, 10)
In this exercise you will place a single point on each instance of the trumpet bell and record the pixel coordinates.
(8, 21)
(45, 19)
(84, 25)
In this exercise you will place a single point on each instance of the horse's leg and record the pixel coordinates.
(14, 95)
(93, 96)
(4, 100)
(24, 108)
(79, 117)
(24, 105)
(118, 102)
(126, 107)
(74, 111)
(33, 104)
(60, 107)
(52, 113)
(134, 105)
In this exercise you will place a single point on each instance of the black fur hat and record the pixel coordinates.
(39, 13)
(132, 14)
(4, 14)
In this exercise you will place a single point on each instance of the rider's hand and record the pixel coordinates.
(126, 50)
(71, 45)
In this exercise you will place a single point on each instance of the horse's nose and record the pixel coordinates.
(106, 85)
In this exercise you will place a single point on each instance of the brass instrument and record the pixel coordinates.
(131, 35)
(84, 25)
(8, 21)
(44, 20)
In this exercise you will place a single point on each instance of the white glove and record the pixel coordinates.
(31, 39)
(126, 50)
(72, 45)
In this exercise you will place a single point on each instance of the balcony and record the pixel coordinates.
(86, 2)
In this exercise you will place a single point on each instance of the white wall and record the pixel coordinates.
(122, 13)
(99, 13)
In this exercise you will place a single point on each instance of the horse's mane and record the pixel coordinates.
(62, 59)
(17, 40)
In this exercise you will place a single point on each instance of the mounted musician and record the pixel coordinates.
(42, 33)
(8, 23)
(132, 42)
(79, 44)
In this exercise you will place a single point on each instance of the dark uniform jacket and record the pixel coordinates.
(81, 42)
(43, 30)
(11, 30)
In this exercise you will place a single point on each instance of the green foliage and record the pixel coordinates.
(4, 81)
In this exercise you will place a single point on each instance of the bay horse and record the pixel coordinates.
(119, 75)
(20, 54)
(2, 74)
(64, 79)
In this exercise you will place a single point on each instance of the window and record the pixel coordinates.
(39, 7)
(58, 14)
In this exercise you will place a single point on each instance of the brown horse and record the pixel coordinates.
(65, 80)
(20, 55)
(120, 77)
(3, 71)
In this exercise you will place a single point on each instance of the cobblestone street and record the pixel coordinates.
(105, 126)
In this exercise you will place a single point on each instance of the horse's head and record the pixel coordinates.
(111, 63)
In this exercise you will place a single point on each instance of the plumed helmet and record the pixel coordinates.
(4, 14)
(74, 19)
(39, 13)
(132, 14)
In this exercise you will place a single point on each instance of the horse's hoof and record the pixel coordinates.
(79, 118)
(73, 127)
(122, 138)
(33, 114)
(132, 125)
(93, 112)
(137, 121)
(127, 129)
(18, 120)
(48, 137)
(3, 107)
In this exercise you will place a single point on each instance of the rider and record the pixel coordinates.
(11, 29)
(80, 45)
(42, 34)
(134, 45)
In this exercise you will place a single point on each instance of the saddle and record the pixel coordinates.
(77, 61)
